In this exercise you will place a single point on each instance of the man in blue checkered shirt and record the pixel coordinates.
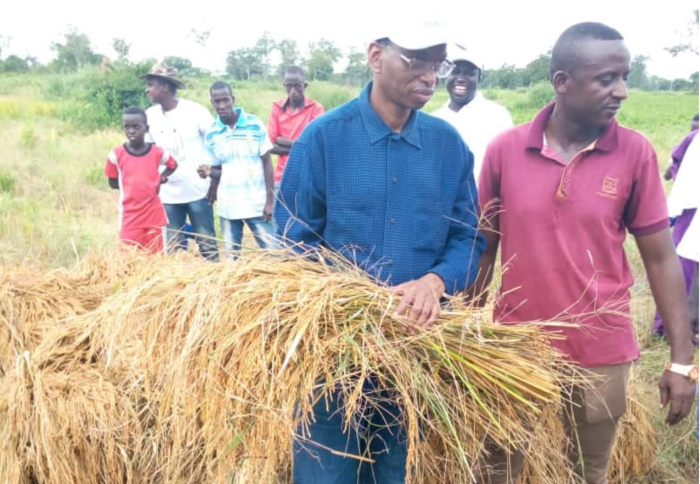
(392, 189)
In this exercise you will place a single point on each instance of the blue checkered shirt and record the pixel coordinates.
(399, 205)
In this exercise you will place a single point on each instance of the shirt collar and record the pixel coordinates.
(241, 123)
(377, 129)
(284, 105)
(606, 142)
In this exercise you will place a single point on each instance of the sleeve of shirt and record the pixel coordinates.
(301, 208)
(265, 143)
(111, 170)
(646, 211)
(205, 120)
(273, 124)
(459, 264)
(167, 160)
(209, 147)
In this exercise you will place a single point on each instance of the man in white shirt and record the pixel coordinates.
(179, 125)
(683, 200)
(476, 118)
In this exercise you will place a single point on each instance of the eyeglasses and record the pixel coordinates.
(417, 66)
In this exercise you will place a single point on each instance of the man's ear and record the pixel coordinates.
(561, 81)
(375, 52)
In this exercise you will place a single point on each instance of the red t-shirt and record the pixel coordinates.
(563, 227)
(289, 125)
(139, 181)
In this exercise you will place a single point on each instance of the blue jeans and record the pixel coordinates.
(201, 216)
(232, 231)
(376, 433)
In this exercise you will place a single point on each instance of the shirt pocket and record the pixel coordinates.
(430, 226)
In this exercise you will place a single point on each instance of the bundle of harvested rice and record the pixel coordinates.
(66, 426)
(32, 301)
(222, 365)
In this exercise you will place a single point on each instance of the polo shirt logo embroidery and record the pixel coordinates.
(609, 188)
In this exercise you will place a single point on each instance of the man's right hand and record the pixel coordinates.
(204, 171)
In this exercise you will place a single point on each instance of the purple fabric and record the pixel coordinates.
(679, 152)
(687, 265)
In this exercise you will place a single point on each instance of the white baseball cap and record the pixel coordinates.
(420, 37)
(458, 52)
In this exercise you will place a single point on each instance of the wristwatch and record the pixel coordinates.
(688, 371)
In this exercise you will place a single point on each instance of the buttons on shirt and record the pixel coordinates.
(394, 180)
(393, 221)
(390, 262)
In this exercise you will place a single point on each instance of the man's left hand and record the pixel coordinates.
(421, 300)
(677, 392)
(267, 210)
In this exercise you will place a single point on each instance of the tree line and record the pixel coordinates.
(267, 57)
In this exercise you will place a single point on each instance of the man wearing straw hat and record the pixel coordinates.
(569, 187)
(179, 125)
(391, 189)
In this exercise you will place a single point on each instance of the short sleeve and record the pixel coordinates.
(111, 170)
(265, 143)
(646, 211)
(167, 160)
(205, 120)
(273, 128)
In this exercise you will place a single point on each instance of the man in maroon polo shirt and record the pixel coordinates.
(562, 192)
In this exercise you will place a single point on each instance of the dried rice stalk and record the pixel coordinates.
(213, 368)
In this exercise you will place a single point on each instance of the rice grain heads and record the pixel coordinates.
(194, 372)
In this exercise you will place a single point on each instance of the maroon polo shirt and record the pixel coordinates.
(563, 227)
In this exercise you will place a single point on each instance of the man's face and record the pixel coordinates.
(295, 85)
(462, 82)
(595, 90)
(135, 127)
(408, 77)
(156, 90)
(223, 102)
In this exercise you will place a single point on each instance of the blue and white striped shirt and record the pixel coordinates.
(238, 151)
(400, 205)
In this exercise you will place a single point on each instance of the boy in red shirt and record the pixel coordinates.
(133, 169)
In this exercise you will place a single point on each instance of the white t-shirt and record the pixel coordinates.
(689, 246)
(181, 131)
(479, 122)
(684, 192)
(684, 196)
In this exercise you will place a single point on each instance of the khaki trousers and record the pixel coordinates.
(591, 429)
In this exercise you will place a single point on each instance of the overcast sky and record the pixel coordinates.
(503, 31)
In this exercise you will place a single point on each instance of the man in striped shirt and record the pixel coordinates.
(241, 149)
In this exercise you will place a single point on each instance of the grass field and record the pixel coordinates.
(55, 206)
